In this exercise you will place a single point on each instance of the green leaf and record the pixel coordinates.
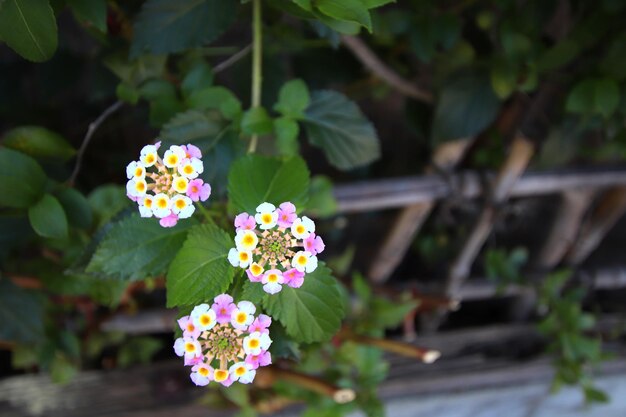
(62, 370)
(595, 395)
(21, 314)
(253, 292)
(594, 96)
(138, 350)
(371, 4)
(335, 124)
(193, 126)
(256, 121)
(76, 206)
(48, 218)
(311, 313)
(199, 76)
(29, 28)
(91, 11)
(166, 26)
(558, 56)
(614, 62)
(255, 179)
(386, 313)
(346, 10)
(39, 143)
(216, 98)
(14, 230)
(293, 99)
(106, 201)
(606, 97)
(322, 202)
(287, 131)
(22, 180)
(137, 248)
(466, 106)
(136, 71)
(127, 93)
(200, 270)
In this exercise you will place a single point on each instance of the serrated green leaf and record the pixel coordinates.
(136, 248)
(91, 11)
(106, 201)
(346, 10)
(200, 270)
(311, 313)
(167, 26)
(76, 207)
(126, 92)
(466, 106)
(38, 142)
(136, 71)
(216, 98)
(255, 179)
(193, 126)
(335, 124)
(22, 180)
(29, 28)
(21, 314)
(253, 292)
(293, 99)
(48, 218)
(287, 131)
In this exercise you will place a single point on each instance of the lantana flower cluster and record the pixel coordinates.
(167, 187)
(275, 246)
(224, 342)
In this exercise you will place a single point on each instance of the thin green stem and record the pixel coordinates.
(257, 53)
(205, 212)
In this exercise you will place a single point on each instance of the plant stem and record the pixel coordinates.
(204, 212)
(257, 52)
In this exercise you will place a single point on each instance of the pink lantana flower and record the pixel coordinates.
(314, 244)
(261, 324)
(262, 359)
(198, 190)
(244, 221)
(286, 215)
(223, 307)
(192, 151)
(294, 278)
(189, 330)
(169, 221)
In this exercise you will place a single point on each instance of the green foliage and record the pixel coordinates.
(29, 28)
(256, 121)
(337, 126)
(200, 270)
(504, 267)
(93, 12)
(219, 98)
(322, 202)
(48, 218)
(287, 131)
(199, 76)
(566, 325)
(138, 350)
(76, 207)
(293, 99)
(38, 142)
(22, 180)
(311, 313)
(137, 248)
(166, 26)
(594, 96)
(21, 314)
(466, 106)
(201, 128)
(256, 179)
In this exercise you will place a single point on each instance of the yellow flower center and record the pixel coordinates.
(181, 204)
(240, 371)
(272, 277)
(138, 172)
(256, 269)
(188, 169)
(301, 260)
(266, 218)
(254, 343)
(172, 159)
(300, 229)
(150, 158)
(220, 375)
(203, 371)
(162, 203)
(205, 319)
(241, 317)
(248, 240)
(190, 347)
(243, 256)
(190, 327)
(147, 202)
(141, 186)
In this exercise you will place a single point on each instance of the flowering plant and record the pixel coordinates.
(281, 251)
(167, 187)
(224, 342)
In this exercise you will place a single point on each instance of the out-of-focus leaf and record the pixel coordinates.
(39, 143)
(22, 180)
(91, 11)
(48, 218)
(29, 28)
(21, 314)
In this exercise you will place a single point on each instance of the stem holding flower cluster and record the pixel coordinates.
(257, 75)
